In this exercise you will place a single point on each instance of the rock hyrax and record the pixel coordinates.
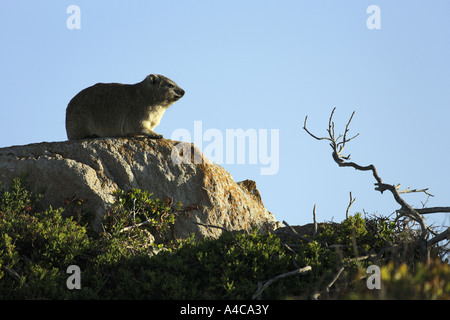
(119, 110)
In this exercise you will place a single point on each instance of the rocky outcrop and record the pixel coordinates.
(92, 169)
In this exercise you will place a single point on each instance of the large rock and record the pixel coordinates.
(92, 169)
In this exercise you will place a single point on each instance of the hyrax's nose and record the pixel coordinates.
(179, 92)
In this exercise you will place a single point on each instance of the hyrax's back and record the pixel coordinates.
(118, 110)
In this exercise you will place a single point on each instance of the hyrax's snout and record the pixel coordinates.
(179, 92)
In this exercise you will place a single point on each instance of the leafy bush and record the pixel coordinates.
(138, 207)
(134, 258)
(34, 245)
(424, 281)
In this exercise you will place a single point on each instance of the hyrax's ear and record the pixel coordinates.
(153, 78)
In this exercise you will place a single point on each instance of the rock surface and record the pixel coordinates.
(92, 169)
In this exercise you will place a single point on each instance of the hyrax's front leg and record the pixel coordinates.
(153, 135)
(144, 130)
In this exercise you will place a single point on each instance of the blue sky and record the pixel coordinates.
(259, 65)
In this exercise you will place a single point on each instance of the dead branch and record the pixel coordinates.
(12, 273)
(408, 190)
(316, 295)
(146, 222)
(429, 210)
(352, 200)
(442, 236)
(295, 233)
(315, 221)
(267, 283)
(343, 161)
(289, 227)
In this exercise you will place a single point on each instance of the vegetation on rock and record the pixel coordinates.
(135, 258)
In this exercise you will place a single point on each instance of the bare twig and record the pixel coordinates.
(424, 204)
(295, 233)
(289, 227)
(267, 283)
(337, 275)
(408, 190)
(317, 138)
(12, 273)
(352, 200)
(135, 226)
(442, 236)
(315, 221)
(344, 141)
(318, 294)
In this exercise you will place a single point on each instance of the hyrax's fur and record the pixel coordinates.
(119, 110)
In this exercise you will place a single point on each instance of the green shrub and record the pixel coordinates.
(134, 258)
(33, 246)
(424, 281)
(136, 207)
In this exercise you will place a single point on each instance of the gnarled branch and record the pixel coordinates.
(338, 146)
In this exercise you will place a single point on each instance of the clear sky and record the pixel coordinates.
(260, 66)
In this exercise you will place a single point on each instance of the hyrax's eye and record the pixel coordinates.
(170, 85)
